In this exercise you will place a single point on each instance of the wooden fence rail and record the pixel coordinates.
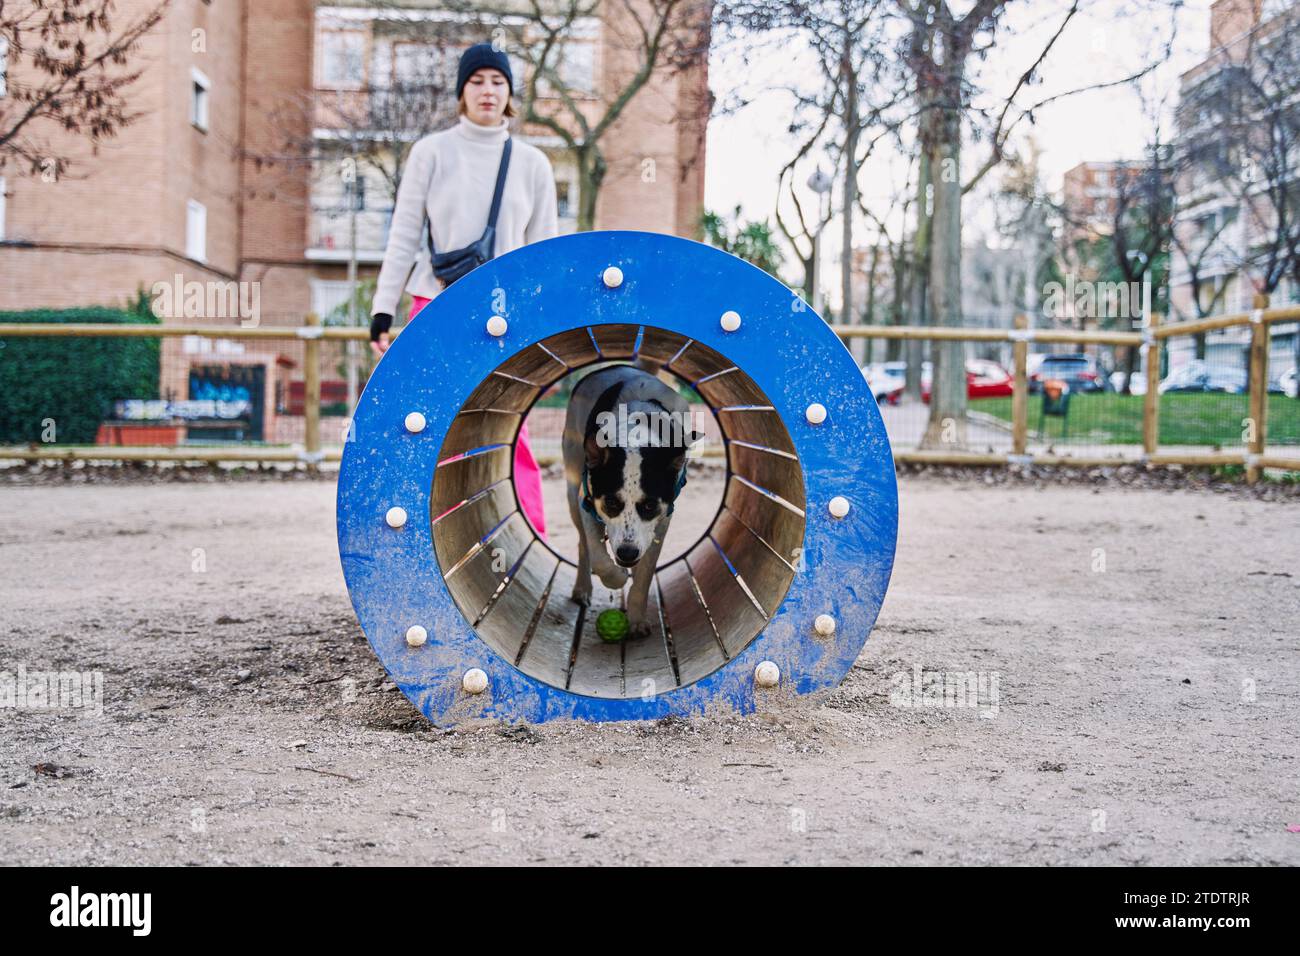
(1150, 340)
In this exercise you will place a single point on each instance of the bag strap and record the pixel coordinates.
(501, 184)
(496, 194)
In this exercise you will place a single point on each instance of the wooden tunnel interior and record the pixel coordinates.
(705, 606)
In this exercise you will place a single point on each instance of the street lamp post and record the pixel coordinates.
(820, 183)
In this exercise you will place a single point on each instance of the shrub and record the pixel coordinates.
(71, 380)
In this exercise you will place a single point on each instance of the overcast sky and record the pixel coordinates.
(747, 150)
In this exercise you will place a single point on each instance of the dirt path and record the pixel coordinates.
(1146, 713)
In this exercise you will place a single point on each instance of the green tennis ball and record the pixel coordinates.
(611, 625)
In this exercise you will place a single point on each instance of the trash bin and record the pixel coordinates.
(1056, 402)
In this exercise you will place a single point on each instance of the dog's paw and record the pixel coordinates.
(614, 578)
(581, 595)
(637, 624)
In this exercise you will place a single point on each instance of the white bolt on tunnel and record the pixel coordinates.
(839, 506)
(824, 625)
(816, 413)
(475, 681)
(613, 277)
(767, 674)
(496, 326)
(730, 320)
(396, 517)
(416, 636)
(415, 423)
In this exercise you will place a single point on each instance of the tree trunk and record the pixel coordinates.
(918, 291)
(863, 348)
(947, 426)
(850, 197)
(591, 173)
(893, 347)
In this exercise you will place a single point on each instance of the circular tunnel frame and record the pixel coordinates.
(515, 596)
(547, 288)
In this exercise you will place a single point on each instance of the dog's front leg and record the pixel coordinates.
(582, 585)
(610, 574)
(643, 576)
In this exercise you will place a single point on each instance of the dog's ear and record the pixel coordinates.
(689, 438)
(596, 452)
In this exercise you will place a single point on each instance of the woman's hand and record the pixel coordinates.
(380, 323)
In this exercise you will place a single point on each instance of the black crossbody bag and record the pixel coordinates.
(450, 266)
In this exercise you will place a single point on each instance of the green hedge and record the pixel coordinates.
(73, 381)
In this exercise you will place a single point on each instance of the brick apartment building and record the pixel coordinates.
(187, 191)
(1089, 193)
(1213, 225)
(1208, 216)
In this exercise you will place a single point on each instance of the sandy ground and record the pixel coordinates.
(1146, 713)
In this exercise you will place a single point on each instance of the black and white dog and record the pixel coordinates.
(626, 435)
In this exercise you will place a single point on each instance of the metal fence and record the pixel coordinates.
(1202, 393)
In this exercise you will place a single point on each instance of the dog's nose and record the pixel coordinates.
(626, 555)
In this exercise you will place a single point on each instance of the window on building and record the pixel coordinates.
(419, 64)
(4, 63)
(196, 231)
(563, 208)
(578, 66)
(199, 87)
(328, 295)
(342, 59)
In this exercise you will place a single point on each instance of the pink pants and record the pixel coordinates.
(528, 476)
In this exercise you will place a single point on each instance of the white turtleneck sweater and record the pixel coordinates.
(449, 177)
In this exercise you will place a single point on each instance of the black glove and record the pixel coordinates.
(380, 323)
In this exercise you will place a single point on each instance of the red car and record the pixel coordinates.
(984, 379)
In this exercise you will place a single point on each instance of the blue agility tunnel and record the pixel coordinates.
(470, 611)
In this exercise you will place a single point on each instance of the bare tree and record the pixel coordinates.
(67, 70)
(803, 239)
(939, 50)
(939, 44)
(1201, 253)
(852, 90)
(1141, 227)
(891, 231)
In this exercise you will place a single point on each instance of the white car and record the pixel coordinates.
(1138, 386)
(1290, 384)
(886, 380)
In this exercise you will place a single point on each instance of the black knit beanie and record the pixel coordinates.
(477, 57)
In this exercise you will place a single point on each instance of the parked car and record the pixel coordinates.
(1032, 361)
(1289, 383)
(984, 379)
(1138, 386)
(1076, 368)
(886, 380)
(1198, 376)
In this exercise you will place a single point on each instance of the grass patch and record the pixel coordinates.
(1186, 418)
